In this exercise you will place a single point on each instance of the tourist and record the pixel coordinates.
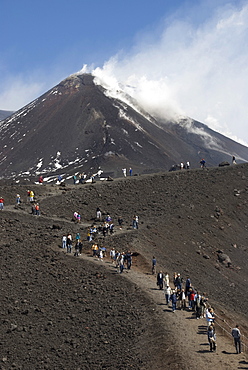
(160, 280)
(18, 199)
(182, 300)
(121, 262)
(154, 262)
(37, 209)
(98, 214)
(167, 279)
(31, 196)
(210, 316)
(1, 203)
(173, 299)
(69, 243)
(76, 254)
(128, 258)
(64, 239)
(237, 338)
(167, 294)
(211, 338)
(112, 255)
(203, 163)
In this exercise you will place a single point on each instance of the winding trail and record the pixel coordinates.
(187, 334)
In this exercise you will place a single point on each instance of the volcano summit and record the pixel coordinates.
(77, 126)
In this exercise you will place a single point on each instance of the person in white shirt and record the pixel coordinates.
(167, 292)
(209, 316)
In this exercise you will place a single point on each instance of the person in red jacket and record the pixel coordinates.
(1, 203)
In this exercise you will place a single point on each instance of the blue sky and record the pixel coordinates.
(188, 57)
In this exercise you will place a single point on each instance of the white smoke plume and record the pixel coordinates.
(196, 70)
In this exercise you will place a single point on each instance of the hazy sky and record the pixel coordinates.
(187, 57)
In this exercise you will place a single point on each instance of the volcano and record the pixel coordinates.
(77, 126)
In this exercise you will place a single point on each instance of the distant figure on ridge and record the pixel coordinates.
(203, 163)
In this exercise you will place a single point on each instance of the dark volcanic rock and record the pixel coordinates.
(77, 127)
(62, 312)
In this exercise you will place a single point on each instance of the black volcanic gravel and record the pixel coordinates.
(60, 312)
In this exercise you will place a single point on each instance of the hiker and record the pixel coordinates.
(37, 209)
(237, 338)
(75, 179)
(160, 280)
(41, 179)
(78, 218)
(173, 299)
(108, 218)
(234, 160)
(187, 285)
(31, 196)
(128, 258)
(69, 243)
(78, 237)
(112, 255)
(182, 300)
(64, 239)
(111, 228)
(89, 235)
(211, 338)
(167, 292)
(80, 245)
(1, 203)
(191, 299)
(167, 279)
(130, 171)
(198, 305)
(135, 222)
(210, 316)
(98, 214)
(121, 262)
(18, 199)
(203, 163)
(154, 262)
(94, 250)
(76, 254)
(178, 282)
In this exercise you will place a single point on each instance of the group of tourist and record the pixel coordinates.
(120, 259)
(124, 171)
(185, 296)
(67, 243)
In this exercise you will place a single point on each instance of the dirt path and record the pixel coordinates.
(187, 333)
